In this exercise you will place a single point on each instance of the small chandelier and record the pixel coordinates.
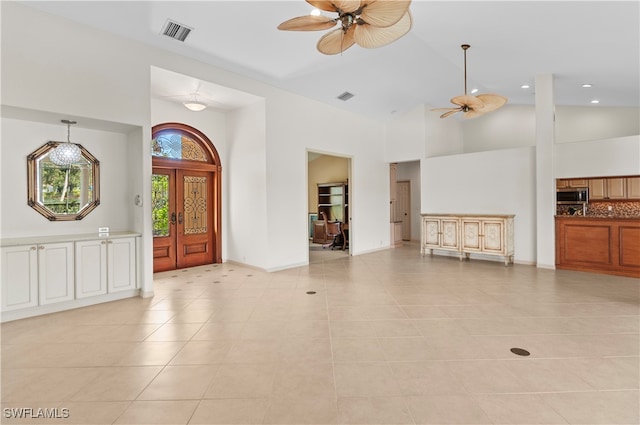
(195, 105)
(66, 153)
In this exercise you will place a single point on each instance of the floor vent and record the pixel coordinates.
(176, 31)
(345, 96)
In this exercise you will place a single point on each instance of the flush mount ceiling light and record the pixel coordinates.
(595, 101)
(525, 86)
(473, 106)
(368, 23)
(66, 153)
(195, 105)
(587, 86)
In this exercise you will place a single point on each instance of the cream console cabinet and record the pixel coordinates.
(468, 234)
(48, 274)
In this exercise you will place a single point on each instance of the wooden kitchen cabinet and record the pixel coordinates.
(611, 188)
(567, 183)
(600, 245)
(633, 187)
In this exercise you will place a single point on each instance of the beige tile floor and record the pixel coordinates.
(388, 338)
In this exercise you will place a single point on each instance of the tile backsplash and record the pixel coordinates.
(618, 209)
(625, 209)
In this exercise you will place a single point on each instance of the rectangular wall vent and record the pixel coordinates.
(176, 31)
(345, 96)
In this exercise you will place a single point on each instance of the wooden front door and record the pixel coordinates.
(182, 213)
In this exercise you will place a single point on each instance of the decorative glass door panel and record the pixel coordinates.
(195, 238)
(163, 212)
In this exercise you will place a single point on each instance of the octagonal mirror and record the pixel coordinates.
(62, 192)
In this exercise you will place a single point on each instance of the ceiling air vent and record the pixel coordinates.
(345, 96)
(176, 31)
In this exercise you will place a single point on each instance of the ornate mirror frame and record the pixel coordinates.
(34, 179)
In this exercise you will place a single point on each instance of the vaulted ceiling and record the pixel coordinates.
(579, 42)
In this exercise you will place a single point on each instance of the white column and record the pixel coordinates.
(545, 180)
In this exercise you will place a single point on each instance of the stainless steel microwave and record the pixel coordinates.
(576, 195)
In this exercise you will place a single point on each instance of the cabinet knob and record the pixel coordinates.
(40, 247)
(109, 241)
(103, 242)
(33, 248)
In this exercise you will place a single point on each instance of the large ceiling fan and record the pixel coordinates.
(368, 23)
(473, 106)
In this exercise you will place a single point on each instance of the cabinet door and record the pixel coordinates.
(55, 272)
(449, 229)
(19, 277)
(493, 236)
(561, 184)
(471, 231)
(431, 232)
(91, 268)
(616, 188)
(633, 188)
(121, 264)
(597, 189)
(578, 183)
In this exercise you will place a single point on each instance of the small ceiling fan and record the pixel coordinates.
(368, 23)
(472, 106)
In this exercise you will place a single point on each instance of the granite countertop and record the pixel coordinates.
(600, 216)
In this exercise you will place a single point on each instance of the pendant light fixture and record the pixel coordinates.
(66, 153)
(195, 105)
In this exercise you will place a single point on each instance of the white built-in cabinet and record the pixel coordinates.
(105, 265)
(42, 275)
(469, 234)
(36, 274)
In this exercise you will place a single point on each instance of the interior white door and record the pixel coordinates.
(403, 197)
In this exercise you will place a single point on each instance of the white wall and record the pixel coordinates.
(509, 127)
(405, 135)
(443, 136)
(584, 123)
(21, 137)
(493, 182)
(246, 208)
(619, 156)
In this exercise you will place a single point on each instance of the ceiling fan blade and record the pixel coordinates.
(491, 102)
(471, 101)
(347, 6)
(336, 41)
(451, 112)
(307, 23)
(370, 36)
(384, 13)
(325, 5)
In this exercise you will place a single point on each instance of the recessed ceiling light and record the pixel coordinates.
(525, 86)
(595, 101)
(586, 86)
(474, 91)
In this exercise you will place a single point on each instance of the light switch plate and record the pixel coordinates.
(103, 230)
